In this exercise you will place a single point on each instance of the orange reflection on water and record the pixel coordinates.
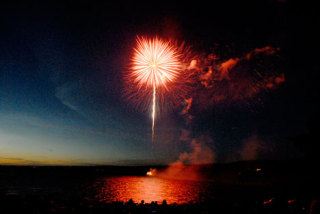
(149, 189)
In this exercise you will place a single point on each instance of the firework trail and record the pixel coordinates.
(153, 110)
(155, 64)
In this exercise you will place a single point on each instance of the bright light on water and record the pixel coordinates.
(149, 189)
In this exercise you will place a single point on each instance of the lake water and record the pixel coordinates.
(92, 190)
(149, 189)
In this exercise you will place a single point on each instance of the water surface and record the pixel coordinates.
(149, 189)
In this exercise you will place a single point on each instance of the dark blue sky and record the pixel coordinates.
(61, 81)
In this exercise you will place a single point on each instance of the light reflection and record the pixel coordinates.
(151, 172)
(148, 189)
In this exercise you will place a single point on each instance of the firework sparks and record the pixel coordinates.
(154, 65)
(153, 110)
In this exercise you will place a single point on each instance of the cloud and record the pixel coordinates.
(74, 98)
(66, 93)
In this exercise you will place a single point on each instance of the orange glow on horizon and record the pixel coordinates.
(34, 160)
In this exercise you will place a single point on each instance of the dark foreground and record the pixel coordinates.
(37, 205)
(291, 187)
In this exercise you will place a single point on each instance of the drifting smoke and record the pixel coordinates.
(185, 135)
(185, 111)
(226, 67)
(223, 82)
(188, 166)
(200, 154)
(238, 79)
(193, 65)
(268, 50)
(188, 103)
(274, 82)
(216, 82)
(252, 148)
(206, 77)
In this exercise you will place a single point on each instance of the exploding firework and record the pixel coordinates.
(155, 65)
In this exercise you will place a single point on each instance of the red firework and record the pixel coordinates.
(156, 67)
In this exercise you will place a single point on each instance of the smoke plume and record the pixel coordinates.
(188, 166)
(234, 80)
(252, 148)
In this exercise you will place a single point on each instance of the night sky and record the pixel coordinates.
(61, 82)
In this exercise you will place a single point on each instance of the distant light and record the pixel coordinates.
(151, 172)
(268, 202)
(291, 202)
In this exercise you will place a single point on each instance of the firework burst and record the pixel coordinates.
(155, 62)
(155, 65)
